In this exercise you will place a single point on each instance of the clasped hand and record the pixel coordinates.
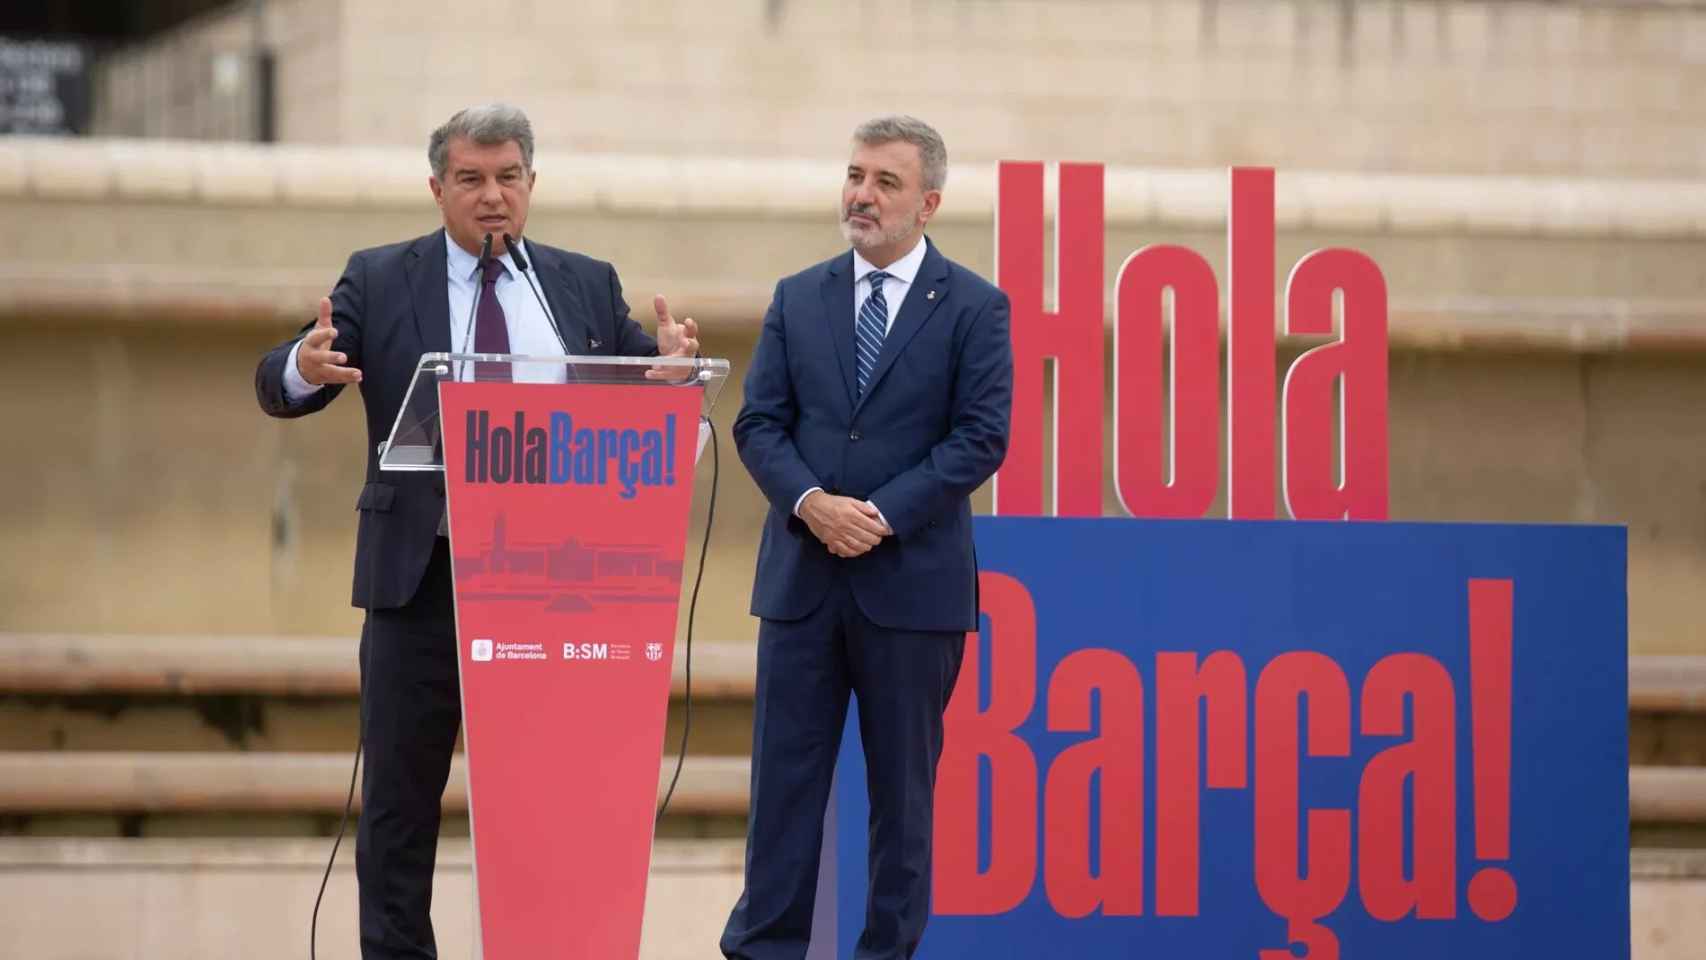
(848, 527)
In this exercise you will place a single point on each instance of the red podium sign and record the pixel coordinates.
(569, 509)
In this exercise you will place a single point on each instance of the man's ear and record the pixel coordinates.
(932, 200)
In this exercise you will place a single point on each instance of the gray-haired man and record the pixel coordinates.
(877, 400)
(391, 305)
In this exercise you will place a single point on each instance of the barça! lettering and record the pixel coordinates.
(1302, 877)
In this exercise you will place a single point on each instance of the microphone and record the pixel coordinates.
(521, 264)
(474, 307)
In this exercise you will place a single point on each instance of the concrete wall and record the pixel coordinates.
(1592, 87)
(199, 81)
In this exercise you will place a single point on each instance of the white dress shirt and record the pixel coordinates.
(531, 333)
(901, 273)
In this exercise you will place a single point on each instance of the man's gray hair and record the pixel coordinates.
(487, 125)
(932, 152)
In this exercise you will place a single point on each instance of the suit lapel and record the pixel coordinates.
(923, 296)
(567, 311)
(838, 308)
(429, 288)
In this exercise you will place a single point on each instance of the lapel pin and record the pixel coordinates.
(930, 296)
(595, 344)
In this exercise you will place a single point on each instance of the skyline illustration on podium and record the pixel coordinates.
(569, 576)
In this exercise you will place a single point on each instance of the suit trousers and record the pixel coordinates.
(411, 708)
(807, 669)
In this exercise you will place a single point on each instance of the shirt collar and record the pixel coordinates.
(905, 269)
(465, 266)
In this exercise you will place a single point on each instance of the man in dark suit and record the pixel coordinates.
(878, 400)
(391, 305)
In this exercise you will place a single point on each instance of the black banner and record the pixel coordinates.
(44, 86)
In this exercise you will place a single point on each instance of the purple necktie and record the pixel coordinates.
(491, 334)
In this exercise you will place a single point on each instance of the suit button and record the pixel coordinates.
(853, 436)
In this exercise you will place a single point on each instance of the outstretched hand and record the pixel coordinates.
(674, 340)
(316, 360)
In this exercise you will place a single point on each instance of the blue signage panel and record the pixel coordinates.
(1275, 740)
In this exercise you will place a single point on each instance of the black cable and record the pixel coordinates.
(692, 607)
(360, 734)
(361, 731)
(349, 800)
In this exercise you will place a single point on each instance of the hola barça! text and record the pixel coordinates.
(567, 451)
(1220, 723)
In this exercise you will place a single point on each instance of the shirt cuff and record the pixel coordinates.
(880, 516)
(297, 389)
(802, 499)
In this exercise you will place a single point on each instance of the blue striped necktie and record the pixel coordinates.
(872, 327)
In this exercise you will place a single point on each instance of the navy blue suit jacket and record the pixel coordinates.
(930, 428)
(391, 305)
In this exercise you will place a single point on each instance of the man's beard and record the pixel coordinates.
(868, 237)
